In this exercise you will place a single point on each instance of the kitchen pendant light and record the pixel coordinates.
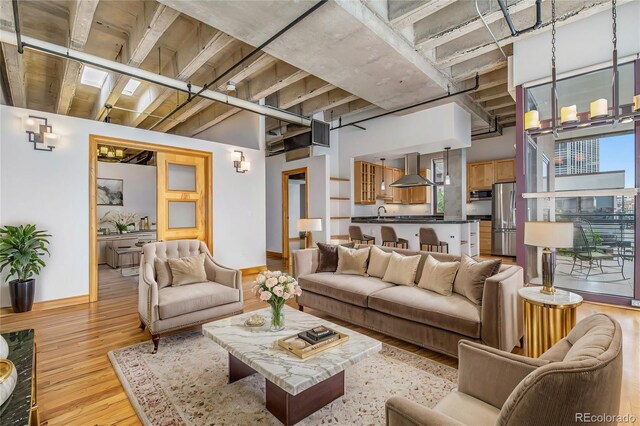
(383, 187)
(447, 179)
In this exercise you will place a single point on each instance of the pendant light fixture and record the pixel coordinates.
(383, 187)
(447, 179)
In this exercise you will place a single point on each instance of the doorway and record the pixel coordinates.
(295, 205)
(182, 206)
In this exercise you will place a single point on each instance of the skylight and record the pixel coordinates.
(93, 77)
(131, 87)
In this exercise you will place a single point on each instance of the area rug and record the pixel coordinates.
(185, 383)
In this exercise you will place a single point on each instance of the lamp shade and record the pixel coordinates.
(548, 234)
(309, 225)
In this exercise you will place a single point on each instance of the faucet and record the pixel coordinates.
(383, 208)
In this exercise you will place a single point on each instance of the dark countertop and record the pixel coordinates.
(479, 216)
(410, 219)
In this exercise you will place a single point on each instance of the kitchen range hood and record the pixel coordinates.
(412, 177)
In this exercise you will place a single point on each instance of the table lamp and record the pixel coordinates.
(548, 235)
(307, 226)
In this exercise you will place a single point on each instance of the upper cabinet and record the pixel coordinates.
(398, 195)
(364, 182)
(480, 175)
(368, 180)
(505, 170)
(421, 194)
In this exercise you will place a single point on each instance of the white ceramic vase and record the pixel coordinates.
(4, 348)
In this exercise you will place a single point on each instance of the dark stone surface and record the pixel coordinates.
(17, 409)
(409, 219)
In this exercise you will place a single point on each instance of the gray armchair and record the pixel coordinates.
(165, 308)
(580, 374)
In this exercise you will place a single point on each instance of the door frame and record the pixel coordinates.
(285, 204)
(94, 141)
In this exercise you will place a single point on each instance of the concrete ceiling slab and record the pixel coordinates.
(333, 43)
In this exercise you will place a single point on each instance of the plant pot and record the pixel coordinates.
(22, 293)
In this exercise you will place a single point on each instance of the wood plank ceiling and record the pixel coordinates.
(154, 37)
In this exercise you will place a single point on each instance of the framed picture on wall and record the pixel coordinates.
(110, 192)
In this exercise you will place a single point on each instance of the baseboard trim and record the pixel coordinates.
(253, 269)
(274, 255)
(50, 304)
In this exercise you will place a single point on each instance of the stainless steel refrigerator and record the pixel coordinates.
(503, 219)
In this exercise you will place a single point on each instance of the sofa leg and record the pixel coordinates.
(301, 308)
(156, 342)
(142, 326)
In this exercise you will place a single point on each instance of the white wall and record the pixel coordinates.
(51, 189)
(139, 189)
(318, 169)
(579, 44)
(241, 129)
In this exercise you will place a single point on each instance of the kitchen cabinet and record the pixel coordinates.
(387, 173)
(505, 170)
(485, 237)
(421, 194)
(480, 175)
(398, 195)
(364, 183)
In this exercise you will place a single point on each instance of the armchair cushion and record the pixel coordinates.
(187, 270)
(401, 411)
(467, 410)
(175, 301)
(164, 278)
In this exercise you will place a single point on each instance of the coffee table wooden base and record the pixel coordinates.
(287, 408)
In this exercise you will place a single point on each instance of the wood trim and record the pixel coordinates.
(50, 304)
(285, 204)
(94, 141)
(339, 179)
(274, 255)
(340, 217)
(340, 198)
(253, 270)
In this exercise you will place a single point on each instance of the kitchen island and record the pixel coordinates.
(461, 234)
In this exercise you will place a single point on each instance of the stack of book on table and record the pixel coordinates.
(312, 341)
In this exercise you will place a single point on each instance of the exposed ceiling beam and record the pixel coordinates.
(81, 14)
(326, 101)
(201, 45)
(489, 79)
(13, 61)
(504, 112)
(481, 64)
(302, 90)
(494, 104)
(459, 19)
(155, 19)
(247, 69)
(403, 13)
(348, 109)
(206, 118)
(494, 92)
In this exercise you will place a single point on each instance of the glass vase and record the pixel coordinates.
(277, 317)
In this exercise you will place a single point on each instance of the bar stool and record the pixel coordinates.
(356, 235)
(429, 239)
(390, 239)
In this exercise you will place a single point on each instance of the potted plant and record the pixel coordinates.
(21, 250)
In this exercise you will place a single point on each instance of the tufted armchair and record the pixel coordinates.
(167, 308)
(580, 374)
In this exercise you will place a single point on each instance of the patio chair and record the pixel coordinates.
(584, 251)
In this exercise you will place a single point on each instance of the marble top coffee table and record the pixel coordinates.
(295, 388)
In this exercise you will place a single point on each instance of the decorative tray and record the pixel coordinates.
(302, 349)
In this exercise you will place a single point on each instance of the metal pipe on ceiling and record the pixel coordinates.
(243, 59)
(439, 98)
(17, 39)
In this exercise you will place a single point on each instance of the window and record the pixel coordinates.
(131, 87)
(438, 189)
(93, 77)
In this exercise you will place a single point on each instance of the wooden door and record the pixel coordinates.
(505, 170)
(183, 203)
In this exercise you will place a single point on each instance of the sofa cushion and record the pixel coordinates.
(454, 313)
(378, 262)
(402, 269)
(438, 276)
(187, 270)
(163, 272)
(328, 256)
(352, 289)
(471, 276)
(352, 261)
(175, 301)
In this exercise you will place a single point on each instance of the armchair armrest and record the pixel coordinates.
(147, 294)
(222, 274)
(489, 374)
(401, 411)
(502, 325)
(305, 262)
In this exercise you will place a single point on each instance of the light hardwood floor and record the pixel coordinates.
(78, 386)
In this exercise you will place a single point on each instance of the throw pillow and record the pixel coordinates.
(438, 276)
(188, 270)
(402, 269)
(471, 276)
(328, 256)
(378, 262)
(352, 261)
(163, 273)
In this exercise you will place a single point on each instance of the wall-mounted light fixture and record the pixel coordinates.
(447, 179)
(40, 133)
(240, 163)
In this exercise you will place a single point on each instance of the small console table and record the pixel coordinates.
(548, 318)
(22, 406)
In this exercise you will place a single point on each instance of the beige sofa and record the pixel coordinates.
(580, 375)
(171, 308)
(413, 314)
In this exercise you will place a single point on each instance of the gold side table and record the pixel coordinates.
(547, 318)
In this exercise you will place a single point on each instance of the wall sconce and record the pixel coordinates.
(240, 163)
(40, 133)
